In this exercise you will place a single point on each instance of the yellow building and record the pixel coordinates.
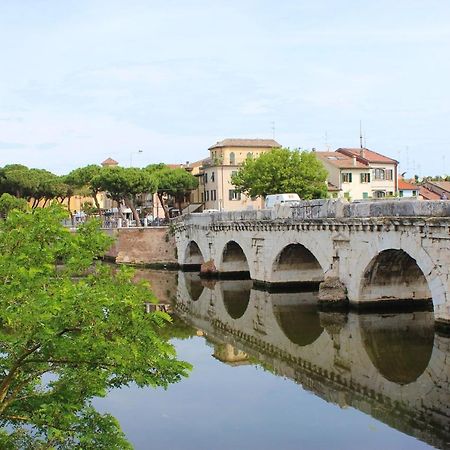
(215, 189)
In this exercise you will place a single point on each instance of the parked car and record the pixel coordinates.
(277, 199)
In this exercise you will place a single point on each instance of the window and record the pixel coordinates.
(207, 196)
(203, 197)
(249, 155)
(205, 178)
(365, 195)
(365, 178)
(213, 195)
(234, 195)
(389, 173)
(379, 174)
(346, 177)
(212, 177)
(232, 158)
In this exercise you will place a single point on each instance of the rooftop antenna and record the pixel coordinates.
(360, 135)
(273, 129)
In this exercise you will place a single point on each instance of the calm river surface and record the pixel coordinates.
(273, 372)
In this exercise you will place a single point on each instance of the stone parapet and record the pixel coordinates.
(327, 209)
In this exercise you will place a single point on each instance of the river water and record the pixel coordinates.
(271, 371)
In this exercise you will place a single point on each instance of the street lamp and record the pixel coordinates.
(131, 156)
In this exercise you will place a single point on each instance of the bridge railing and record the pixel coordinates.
(333, 208)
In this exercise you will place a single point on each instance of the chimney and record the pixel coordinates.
(362, 152)
(354, 161)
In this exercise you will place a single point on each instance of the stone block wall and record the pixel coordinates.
(143, 246)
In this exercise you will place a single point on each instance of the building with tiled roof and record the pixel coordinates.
(366, 156)
(252, 143)
(225, 157)
(426, 194)
(360, 173)
(108, 162)
(441, 188)
(406, 189)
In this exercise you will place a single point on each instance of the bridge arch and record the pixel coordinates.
(193, 256)
(233, 259)
(295, 263)
(429, 270)
(393, 275)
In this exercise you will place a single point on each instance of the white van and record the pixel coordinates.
(277, 199)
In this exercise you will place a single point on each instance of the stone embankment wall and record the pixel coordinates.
(143, 246)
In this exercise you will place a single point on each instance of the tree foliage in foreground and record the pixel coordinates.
(9, 202)
(282, 171)
(70, 329)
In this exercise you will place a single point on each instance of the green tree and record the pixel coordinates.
(282, 171)
(9, 202)
(80, 182)
(177, 183)
(70, 329)
(37, 186)
(125, 185)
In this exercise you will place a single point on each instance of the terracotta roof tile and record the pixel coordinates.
(444, 185)
(427, 194)
(109, 162)
(369, 155)
(332, 187)
(405, 186)
(340, 160)
(266, 143)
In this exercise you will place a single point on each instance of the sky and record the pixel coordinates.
(84, 80)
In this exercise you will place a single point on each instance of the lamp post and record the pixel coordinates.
(131, 156)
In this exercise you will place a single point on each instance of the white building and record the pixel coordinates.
(359, 173)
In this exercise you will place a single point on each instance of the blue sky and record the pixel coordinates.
(84, 80)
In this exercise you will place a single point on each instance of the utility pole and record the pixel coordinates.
(360, 135)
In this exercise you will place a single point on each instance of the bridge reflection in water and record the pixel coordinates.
(391, 366)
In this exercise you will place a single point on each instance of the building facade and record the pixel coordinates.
(360, 173)
(225, 157)
(406, 189)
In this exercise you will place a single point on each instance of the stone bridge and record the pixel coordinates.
(368, 253)
(391, 366)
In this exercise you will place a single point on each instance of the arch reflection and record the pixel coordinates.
(236, 296)
(297, 315)
(400, 345)
(194, 285)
